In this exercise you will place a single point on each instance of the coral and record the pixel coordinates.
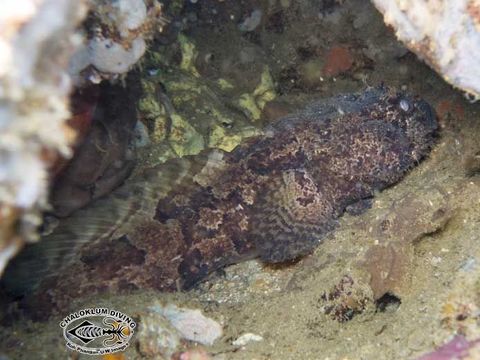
(41, 55)
(115, 38)
(37, 39)
(443, 33)
(129, 15)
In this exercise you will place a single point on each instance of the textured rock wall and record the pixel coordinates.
(444, 33)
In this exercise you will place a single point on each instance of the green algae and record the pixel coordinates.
(189, 54)
(254, 103)
(225, 84)
(185, 140)
(197, 115)
(222, 138)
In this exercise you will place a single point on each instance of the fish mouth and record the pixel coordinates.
(429, 115)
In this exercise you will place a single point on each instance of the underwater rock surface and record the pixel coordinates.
(274, 197)
(445, 34)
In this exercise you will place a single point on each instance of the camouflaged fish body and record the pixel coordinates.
(275, 197)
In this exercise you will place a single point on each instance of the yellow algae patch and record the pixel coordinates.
(224, 84)
(254, 103)
(184, 139)
(223, 139)
(189, 54)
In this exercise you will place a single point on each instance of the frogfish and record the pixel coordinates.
(275, 197)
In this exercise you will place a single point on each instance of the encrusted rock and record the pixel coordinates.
(444, 33)
(156, 336)
(346, 299)
(388, 261)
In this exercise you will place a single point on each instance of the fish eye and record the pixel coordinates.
(405, 105)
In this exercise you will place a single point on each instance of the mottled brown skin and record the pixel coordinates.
(274, 197)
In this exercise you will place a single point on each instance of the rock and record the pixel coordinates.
(274, 110)
(252, 21)
(445, 34)
(450, 109)
(471, 163)
(111, 57)
(131, 14)
(346, 299)
(191, 324)
(196, 353)
(396, 231)
(388, 266)
(338, 60)
(156, 336)
(457, 348)
(163, 327)
(412, 217)
(246, 338)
